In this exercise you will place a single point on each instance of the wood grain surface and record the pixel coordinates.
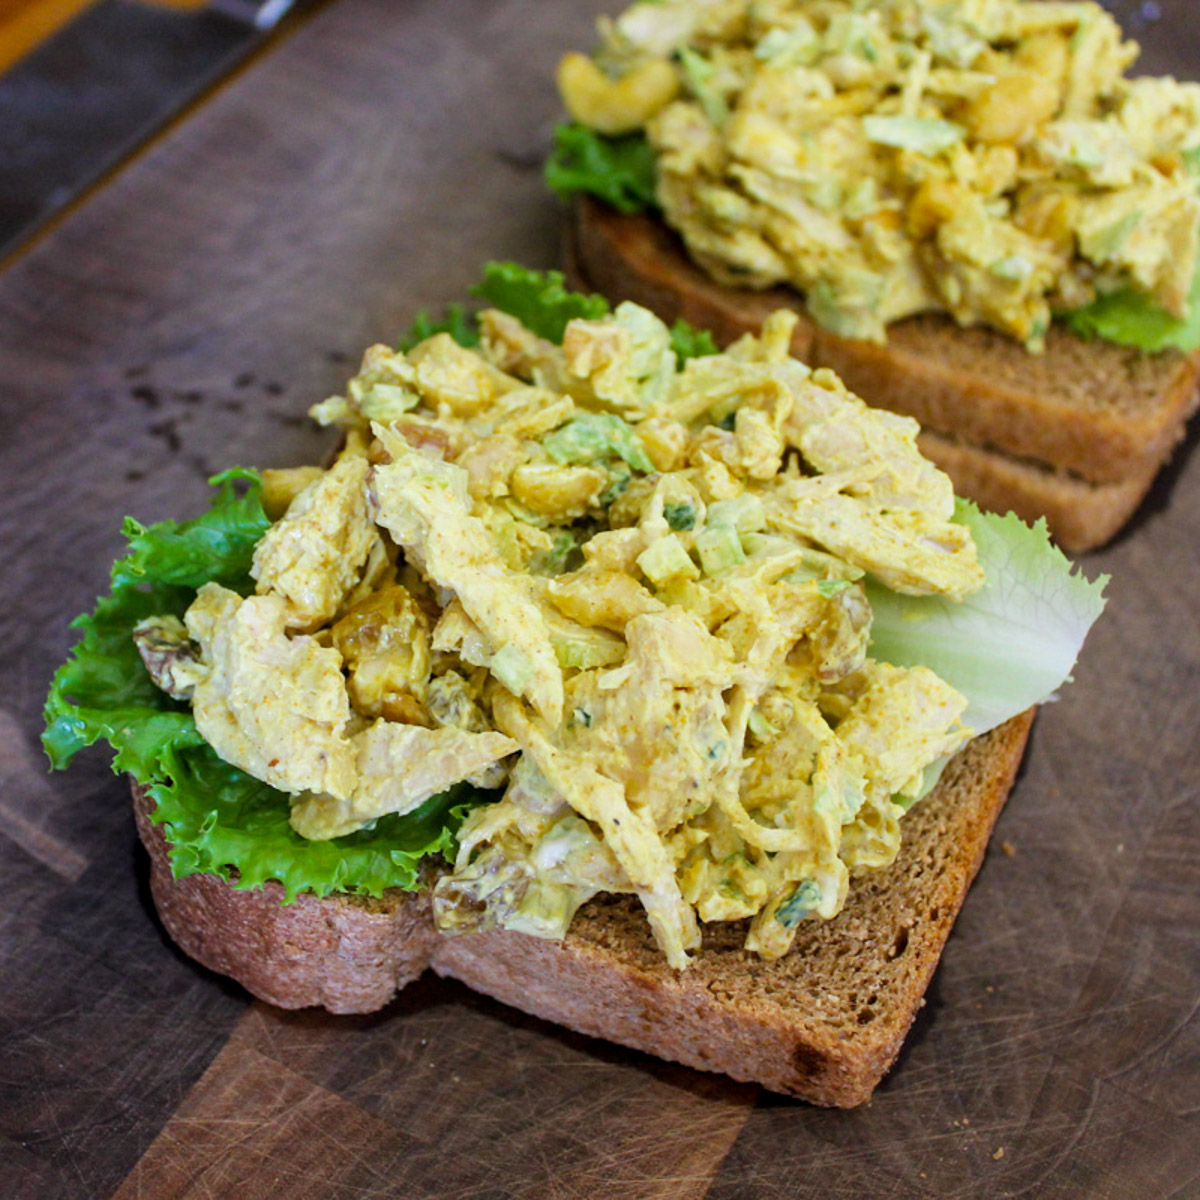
(181, 321)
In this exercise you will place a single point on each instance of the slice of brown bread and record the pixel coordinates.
(344, 953)
(1083, 413)
(824, 1023)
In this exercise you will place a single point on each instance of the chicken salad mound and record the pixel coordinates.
(633, 594)
(984, 158)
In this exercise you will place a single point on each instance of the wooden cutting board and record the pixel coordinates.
(181, 321)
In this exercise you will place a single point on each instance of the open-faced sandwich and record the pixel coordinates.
(984, 223)
(666, 693)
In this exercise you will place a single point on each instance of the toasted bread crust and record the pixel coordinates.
(341, 953)
(1088, 423)
(824, 1023)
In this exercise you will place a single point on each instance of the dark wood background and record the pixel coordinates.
(181, 320)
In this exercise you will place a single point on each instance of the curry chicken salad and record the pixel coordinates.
(984, 158)
(629, 595)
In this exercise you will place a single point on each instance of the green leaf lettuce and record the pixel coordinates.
(544, 304)
(1010, 644)
(540, 300)
(1130, 318)
(457, 323)
(217, 818)
(617, 170)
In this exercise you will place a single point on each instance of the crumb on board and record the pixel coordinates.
(999, 1153)
(1009, 849)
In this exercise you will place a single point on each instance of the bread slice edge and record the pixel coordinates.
(730, 1012)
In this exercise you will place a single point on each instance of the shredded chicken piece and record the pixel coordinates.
(313, 556)
(398, 768)
(273, 705)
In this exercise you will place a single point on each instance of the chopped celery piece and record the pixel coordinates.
(719, 548)
(666, 560)
(743, 513)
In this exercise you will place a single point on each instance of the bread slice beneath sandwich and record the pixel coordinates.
(824, 1022)
(1077, 433)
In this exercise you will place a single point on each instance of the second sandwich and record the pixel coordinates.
(983, 222)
